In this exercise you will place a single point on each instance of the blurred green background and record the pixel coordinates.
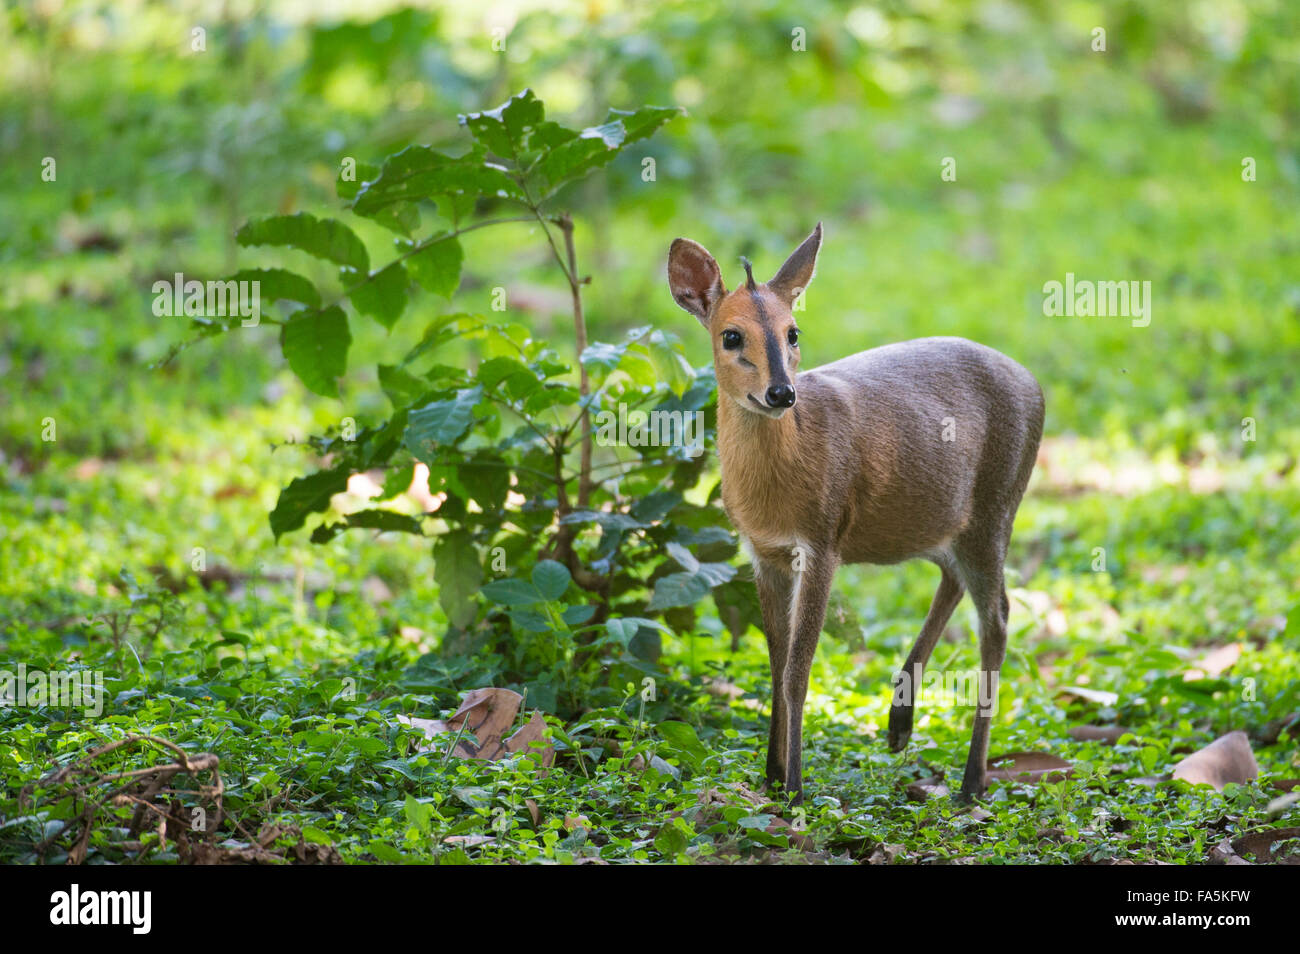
(1115, 165)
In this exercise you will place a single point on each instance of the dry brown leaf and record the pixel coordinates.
(758, 802)
(1227, 759)
(486, 715)
(1260, 843)
(1101, 697)
(1225, 854)
(722, 688)
(1107, 734)
(884, 854)
(234, 490)
(725, 689)
(260, 851)
(534, 730)
(1150, 781)
(430, 728)
(468, 841)
(534, 812)
(1285, 784)
(1279, 805)
(931, 787)
(483, 718)
(87, 468)
(1028, 767)
(1214, 663)
(1270, 733)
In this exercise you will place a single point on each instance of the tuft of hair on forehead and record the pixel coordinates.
(749, 273)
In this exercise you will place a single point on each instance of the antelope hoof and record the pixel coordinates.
(900, 729)
(971, 793)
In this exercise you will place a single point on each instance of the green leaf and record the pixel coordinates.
(518, 379)
(421, 172)
(602, 354)
(715, 574)
(678, 589)
(401, 387)
(706, 536)
(485, 478)
(624, 629)
(383, 297)
(400, 217)
(551, 579)
(277, 283)
(315, 343)
(644, 122)
(685, 589)
(397, 480)
(683, 556)
(621, 630)
(512, 591)
(592, 147)
(369, 520)
(684, 742)
(458, 574)
(304, 495)
(323, 238)
(529, 620)
(347, 188)
(506, 129)
(577, 615)
(400, 766)
(654, 507)
(440, 423)
(671, 364)
(549, 396)
(597, 145)
(386, 852)
(738, 606)
(437, 267)
(441, 330)
(610, 521)
(671, 840)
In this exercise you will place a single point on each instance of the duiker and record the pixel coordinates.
(915, 450)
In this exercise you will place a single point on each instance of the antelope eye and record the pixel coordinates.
(793, 337)
(731, 339)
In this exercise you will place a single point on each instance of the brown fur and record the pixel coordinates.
(858, 471)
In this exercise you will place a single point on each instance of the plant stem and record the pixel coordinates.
(565, 222)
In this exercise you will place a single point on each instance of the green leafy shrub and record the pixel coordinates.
(565, 563)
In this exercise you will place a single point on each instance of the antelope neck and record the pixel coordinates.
(751, 439)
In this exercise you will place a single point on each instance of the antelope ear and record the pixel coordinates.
(794, 276)
(694, 278)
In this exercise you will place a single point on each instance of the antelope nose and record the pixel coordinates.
(780, 395)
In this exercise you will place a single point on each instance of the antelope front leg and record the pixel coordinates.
(812, 588)
(774, 588)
